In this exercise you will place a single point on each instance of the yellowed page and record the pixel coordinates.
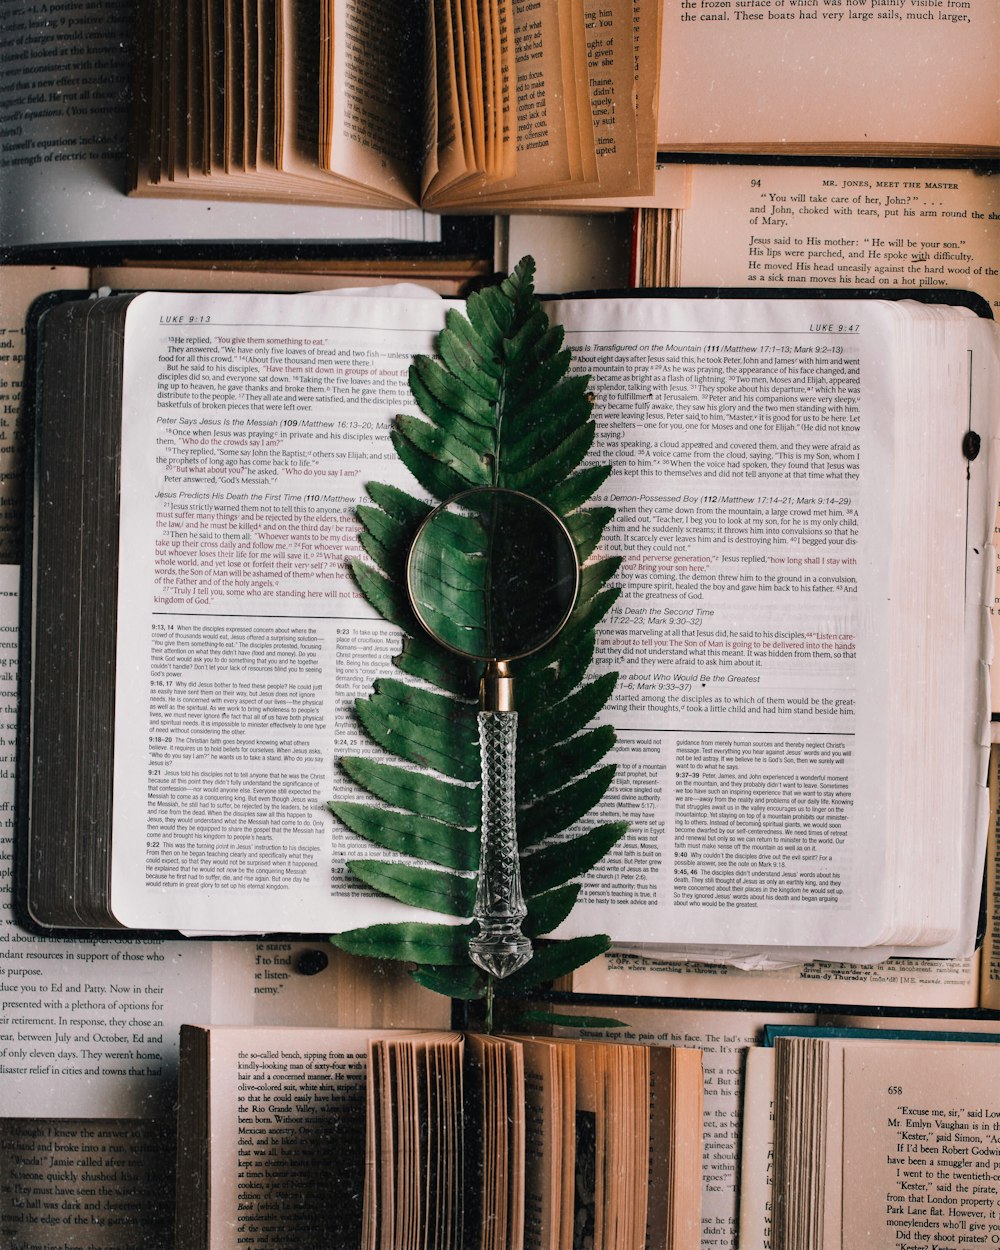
(443, 122)
(217, 101)
(757, 1150)
(670, 189)
(372, 137)
(549, 1084)
(286, 1123)
(542, 153)
(489, 70)
(647, 19)
(85, 1185)
(807, 74)
(920, 1161)
(234, 40)
(815, 227)
(474, 37)
(611, 63)
(577, 113)
(545, 128)
(251, 78)
(723, 1037)
(542, 149)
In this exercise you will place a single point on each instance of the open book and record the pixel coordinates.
(877, 1140)
(801, 636)
(448, 104)
(393, 1140)
(64, 111)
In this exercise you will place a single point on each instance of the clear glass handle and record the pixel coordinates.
(499, 947)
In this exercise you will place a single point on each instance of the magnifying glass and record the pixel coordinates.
(492, 574)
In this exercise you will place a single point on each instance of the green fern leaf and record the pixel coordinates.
(400, 506)
(470, 458)
(553, 866)
(566, 496)
(453, 391)
(563, 808)
(586, 527)
(552, 960)
(443, 892)
(567, 759)
(414, 791)
(440, 479)
(419, 837)
(424, 659)
(417, 943)
(439, 746)
(596, 575)
(552, 725)
(498, 406)
(387, 597)
(543, 475)
(547, 911)
(478, 348)
(465, 983)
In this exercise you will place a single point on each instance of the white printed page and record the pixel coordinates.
(250, 427)
(813, 228)
(948, 983)
(752, 444)
(752, 451)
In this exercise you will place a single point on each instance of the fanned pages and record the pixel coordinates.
(403, 1141)
(455, 104)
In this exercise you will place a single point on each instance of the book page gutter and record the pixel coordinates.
(750, 452)
(250, 427)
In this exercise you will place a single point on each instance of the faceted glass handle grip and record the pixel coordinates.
(499, 947)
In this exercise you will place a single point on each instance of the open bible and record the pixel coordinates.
(803, 501)
(449, 105)
(391, 1140)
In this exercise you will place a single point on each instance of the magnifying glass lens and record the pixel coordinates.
(493, 574)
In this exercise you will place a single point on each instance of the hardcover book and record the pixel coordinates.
(803, 499)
